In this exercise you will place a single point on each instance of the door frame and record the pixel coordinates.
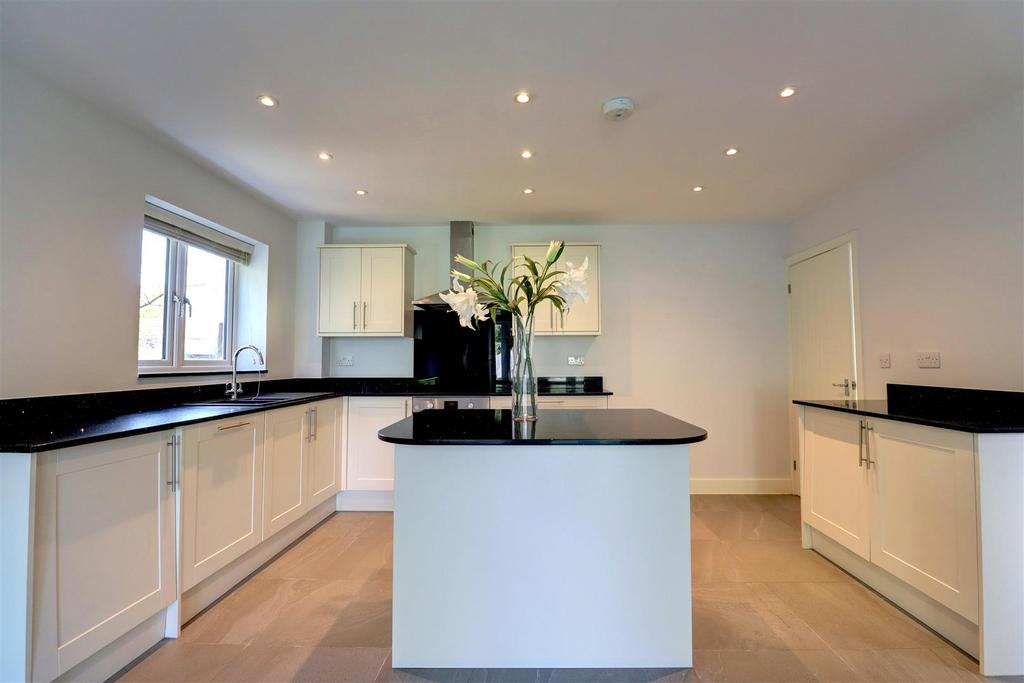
(850, 238)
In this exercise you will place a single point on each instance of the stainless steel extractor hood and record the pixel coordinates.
(460, 241)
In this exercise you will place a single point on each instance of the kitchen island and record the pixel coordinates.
(559, 543)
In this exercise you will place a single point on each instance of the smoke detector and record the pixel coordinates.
(618, 108)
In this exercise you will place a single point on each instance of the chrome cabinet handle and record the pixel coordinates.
(170, 464)
(845, 384)
(316, 424)
(355, 321)
(234, 426)
(867, 444)
(860, 447)
(174, 482)
(364, 315)
(309, 424)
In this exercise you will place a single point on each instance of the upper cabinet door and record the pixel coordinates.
(383, 306)
(835, 488)
(340, 300)
(585, 316)
(544, 314)
(925, 522)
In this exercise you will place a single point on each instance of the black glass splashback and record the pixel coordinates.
(457, 358)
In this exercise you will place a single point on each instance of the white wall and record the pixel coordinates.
(941, 248)
(73, 192)
(694, 320)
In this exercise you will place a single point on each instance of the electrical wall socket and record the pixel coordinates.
(929, 359)
(345, 361)
(575, 360)
(885, 360)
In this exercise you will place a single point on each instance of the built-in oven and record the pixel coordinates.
(449, 403)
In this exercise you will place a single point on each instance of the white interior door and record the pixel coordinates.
(823, 329)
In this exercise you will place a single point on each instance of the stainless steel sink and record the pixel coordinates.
(265, 399)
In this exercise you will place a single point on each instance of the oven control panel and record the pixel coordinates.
(449, 403)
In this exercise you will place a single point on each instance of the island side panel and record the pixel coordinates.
(542, 556)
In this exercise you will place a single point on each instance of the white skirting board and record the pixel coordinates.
(738, 486)
(365, 501)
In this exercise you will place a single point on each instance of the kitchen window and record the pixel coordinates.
(188, 294)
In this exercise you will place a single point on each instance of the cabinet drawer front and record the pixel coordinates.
(834, 492)
(924, 513)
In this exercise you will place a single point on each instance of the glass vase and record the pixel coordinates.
(524, 381)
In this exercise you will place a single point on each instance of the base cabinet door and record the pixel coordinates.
(285, 484)
(834, 496)
(221, 494)
(104, 556)
(924, 521)
(324, 463)
(371, 462)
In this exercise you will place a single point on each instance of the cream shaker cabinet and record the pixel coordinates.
(302, 461)
(584, 318)
(902, 496)
(104, 552)
(365, 290)
(221, 494)
(370, 461)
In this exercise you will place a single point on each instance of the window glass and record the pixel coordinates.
(206, 308)
(153, 296)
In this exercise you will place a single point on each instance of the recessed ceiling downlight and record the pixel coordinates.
(268, 100)
(698, 188)
(732, 151)
(787, 92)
(526, 154)
(527, 190)
(523, 97)
(362, 193)
(325, 156)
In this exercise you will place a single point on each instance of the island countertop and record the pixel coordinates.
(612, 427)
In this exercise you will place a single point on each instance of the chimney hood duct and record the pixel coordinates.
(460, 241)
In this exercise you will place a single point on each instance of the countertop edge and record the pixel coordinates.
(967, 427)
(542, 442)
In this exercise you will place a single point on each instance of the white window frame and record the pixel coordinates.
(176, 312)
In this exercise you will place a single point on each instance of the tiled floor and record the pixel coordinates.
(764, 610)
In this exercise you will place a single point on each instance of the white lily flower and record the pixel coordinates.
(464, 302)
(572, 284)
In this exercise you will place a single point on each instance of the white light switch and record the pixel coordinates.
(885, 360)
(929, 359)
(345, 361)
(575, 360)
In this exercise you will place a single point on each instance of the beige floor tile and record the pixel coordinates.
(741, 616)
(342, 613)
(178, 662)
(850, 617)
(699, 531)
(247, 611)
(770, 666)
(904, 666)
(967, 669)
(318, 556)
(711, 562)
(734, 525)
(305, 665)
(760, 561)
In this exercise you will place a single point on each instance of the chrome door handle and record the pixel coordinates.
(355, 321)
(316, 425)
(364, 315)
(309, 424)
(170, 464)
(860, 448)
(867, 444)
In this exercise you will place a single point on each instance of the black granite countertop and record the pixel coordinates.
(49, 422)
(979, 411)
(553, 428)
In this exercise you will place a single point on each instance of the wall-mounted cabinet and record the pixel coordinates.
(585, 316)
(365, 290)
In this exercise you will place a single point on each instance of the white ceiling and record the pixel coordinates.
(415, 99)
